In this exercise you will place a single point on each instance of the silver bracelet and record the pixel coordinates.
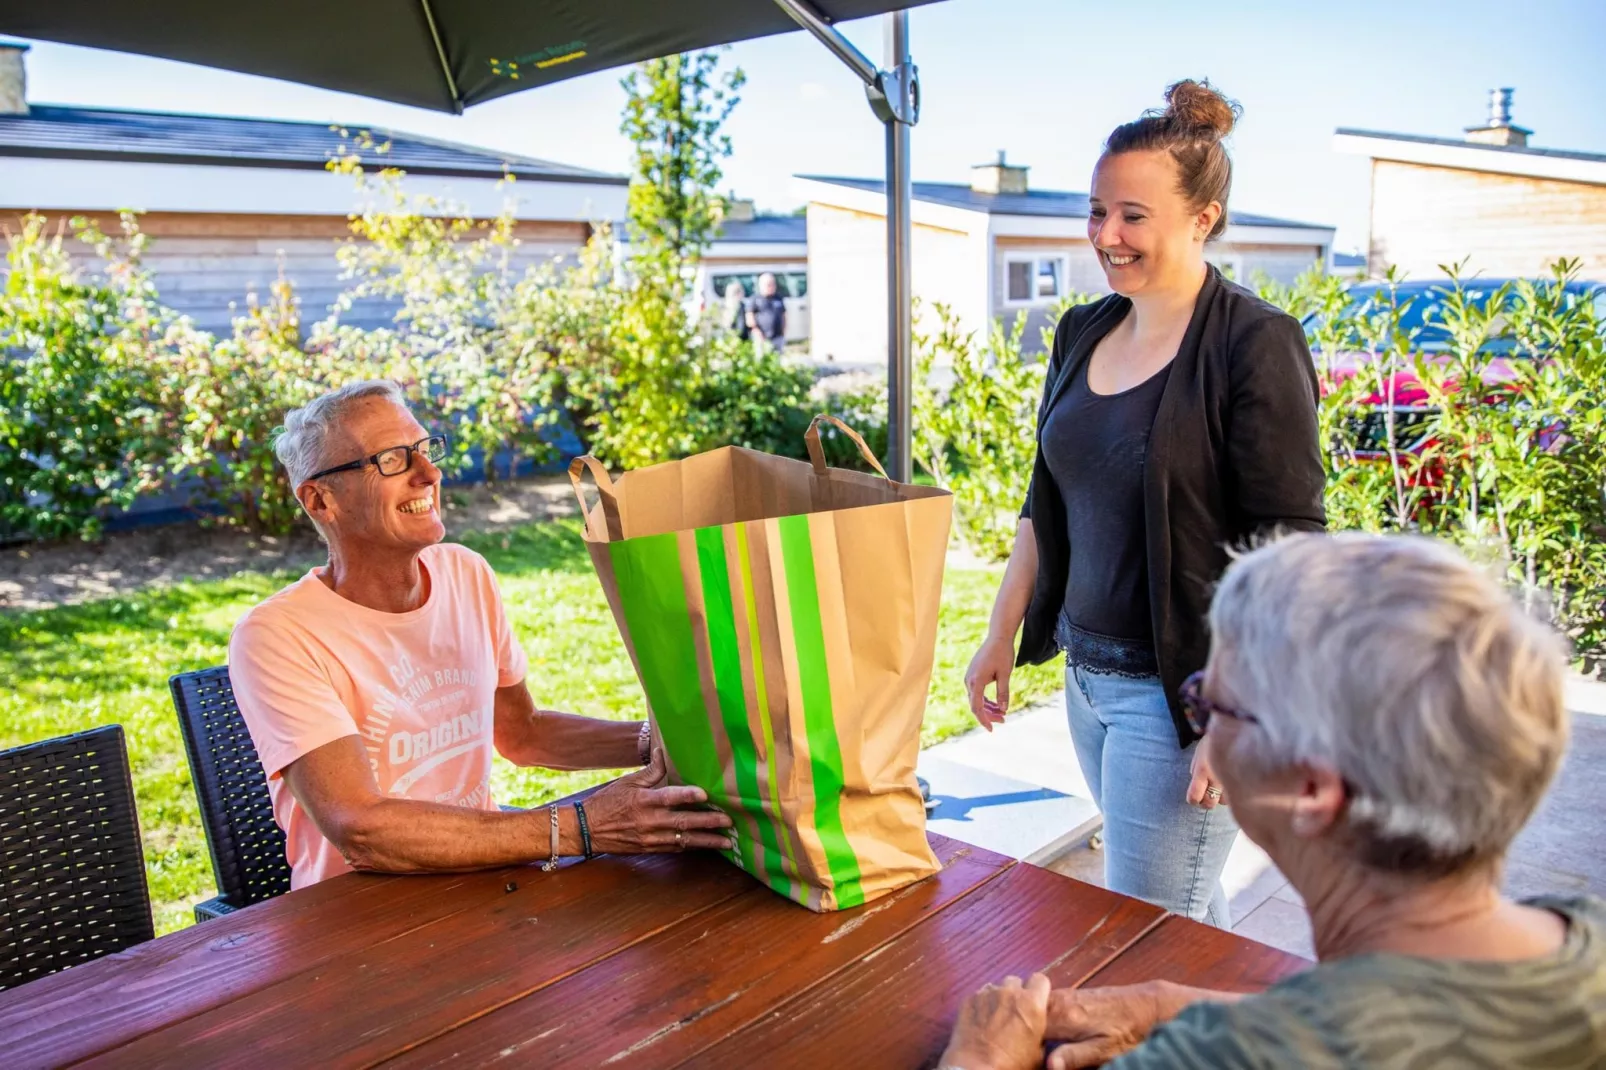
(644, 743)
(552, 863)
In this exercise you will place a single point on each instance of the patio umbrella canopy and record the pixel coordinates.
(440, 54)
(450, 54)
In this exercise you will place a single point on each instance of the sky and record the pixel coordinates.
(1043, 80)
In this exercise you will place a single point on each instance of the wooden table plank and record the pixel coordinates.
(895, 1008)
(372, 1002)
(1192, 954)
(98, 1005)
(669, 997)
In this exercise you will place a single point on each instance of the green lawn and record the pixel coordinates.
(106, 662)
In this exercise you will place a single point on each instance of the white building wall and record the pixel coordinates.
(1248, 261)
(848, 289)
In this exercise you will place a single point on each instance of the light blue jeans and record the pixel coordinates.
(1157, 846)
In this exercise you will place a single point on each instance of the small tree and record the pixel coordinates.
(674, 115)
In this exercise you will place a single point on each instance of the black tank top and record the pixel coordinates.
(1095, 446)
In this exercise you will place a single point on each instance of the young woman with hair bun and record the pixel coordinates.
(1178, 422)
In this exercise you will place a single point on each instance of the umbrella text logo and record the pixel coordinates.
(550, 56)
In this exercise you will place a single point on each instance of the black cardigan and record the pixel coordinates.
(1233, 454)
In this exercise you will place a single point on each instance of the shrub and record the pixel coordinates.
(79, 434)
(865, 410)
(978, 437)
(749, 396)
(229, 396)
(459, 344)
(1513, 463)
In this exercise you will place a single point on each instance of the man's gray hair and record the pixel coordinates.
(1414, 674)
(300, 447)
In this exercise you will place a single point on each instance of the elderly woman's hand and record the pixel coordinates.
(1101, 1023)
(1001, 1027)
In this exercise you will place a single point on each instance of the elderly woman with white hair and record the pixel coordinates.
(1384, 720)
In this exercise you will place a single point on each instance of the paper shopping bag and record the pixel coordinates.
(782, 619)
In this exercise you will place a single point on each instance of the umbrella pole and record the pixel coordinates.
(900, 310)
(895, 98)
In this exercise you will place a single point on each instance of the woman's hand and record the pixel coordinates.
(1101, 1023)
(640, 813)
(1001, 1027)
(1205, 790)
(992, 665)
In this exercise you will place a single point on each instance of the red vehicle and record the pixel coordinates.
(1421, 319)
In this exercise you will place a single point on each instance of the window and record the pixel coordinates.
(1034, 280)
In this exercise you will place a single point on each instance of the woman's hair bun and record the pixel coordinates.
(1200, 108)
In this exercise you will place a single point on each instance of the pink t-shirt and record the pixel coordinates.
(309, 667)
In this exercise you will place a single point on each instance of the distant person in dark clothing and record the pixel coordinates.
(766, 313)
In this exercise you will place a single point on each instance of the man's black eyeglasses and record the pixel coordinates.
(1199, 709)
(394, 461)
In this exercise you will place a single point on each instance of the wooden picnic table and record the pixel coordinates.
(650, 961)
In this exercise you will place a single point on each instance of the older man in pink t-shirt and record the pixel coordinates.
(377, 686)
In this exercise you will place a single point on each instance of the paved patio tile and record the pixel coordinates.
(1021, 820)
(1281, 924)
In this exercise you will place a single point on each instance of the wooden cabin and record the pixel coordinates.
(228, 200)
(1507, 207)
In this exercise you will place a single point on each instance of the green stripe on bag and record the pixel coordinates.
(744, 559)
(727, 662)
(653, 597)
(825, 754)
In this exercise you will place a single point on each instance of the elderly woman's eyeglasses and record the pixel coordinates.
(1199, 709)
(394, 461)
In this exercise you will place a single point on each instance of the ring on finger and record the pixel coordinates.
(680, 840)
(1213, 792)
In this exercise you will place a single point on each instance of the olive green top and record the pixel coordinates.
(1382, 1012)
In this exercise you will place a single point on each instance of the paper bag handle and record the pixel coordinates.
(817, 453)
(605, 492)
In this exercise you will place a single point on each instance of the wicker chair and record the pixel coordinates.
(72, 875)
(247, 846)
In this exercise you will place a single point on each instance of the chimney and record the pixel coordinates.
(1499, 130)
(998, 177)
(739, 210)
(13, 79)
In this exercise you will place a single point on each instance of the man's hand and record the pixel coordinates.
(1001, 1027)
(1101, 1023)
(640, 813)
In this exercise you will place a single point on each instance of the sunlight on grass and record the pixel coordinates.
(106, 662)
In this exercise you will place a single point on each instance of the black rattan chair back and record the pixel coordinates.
(72, 875)
(247, 846)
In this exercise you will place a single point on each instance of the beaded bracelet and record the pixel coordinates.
(644, 743)
(585, 831)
